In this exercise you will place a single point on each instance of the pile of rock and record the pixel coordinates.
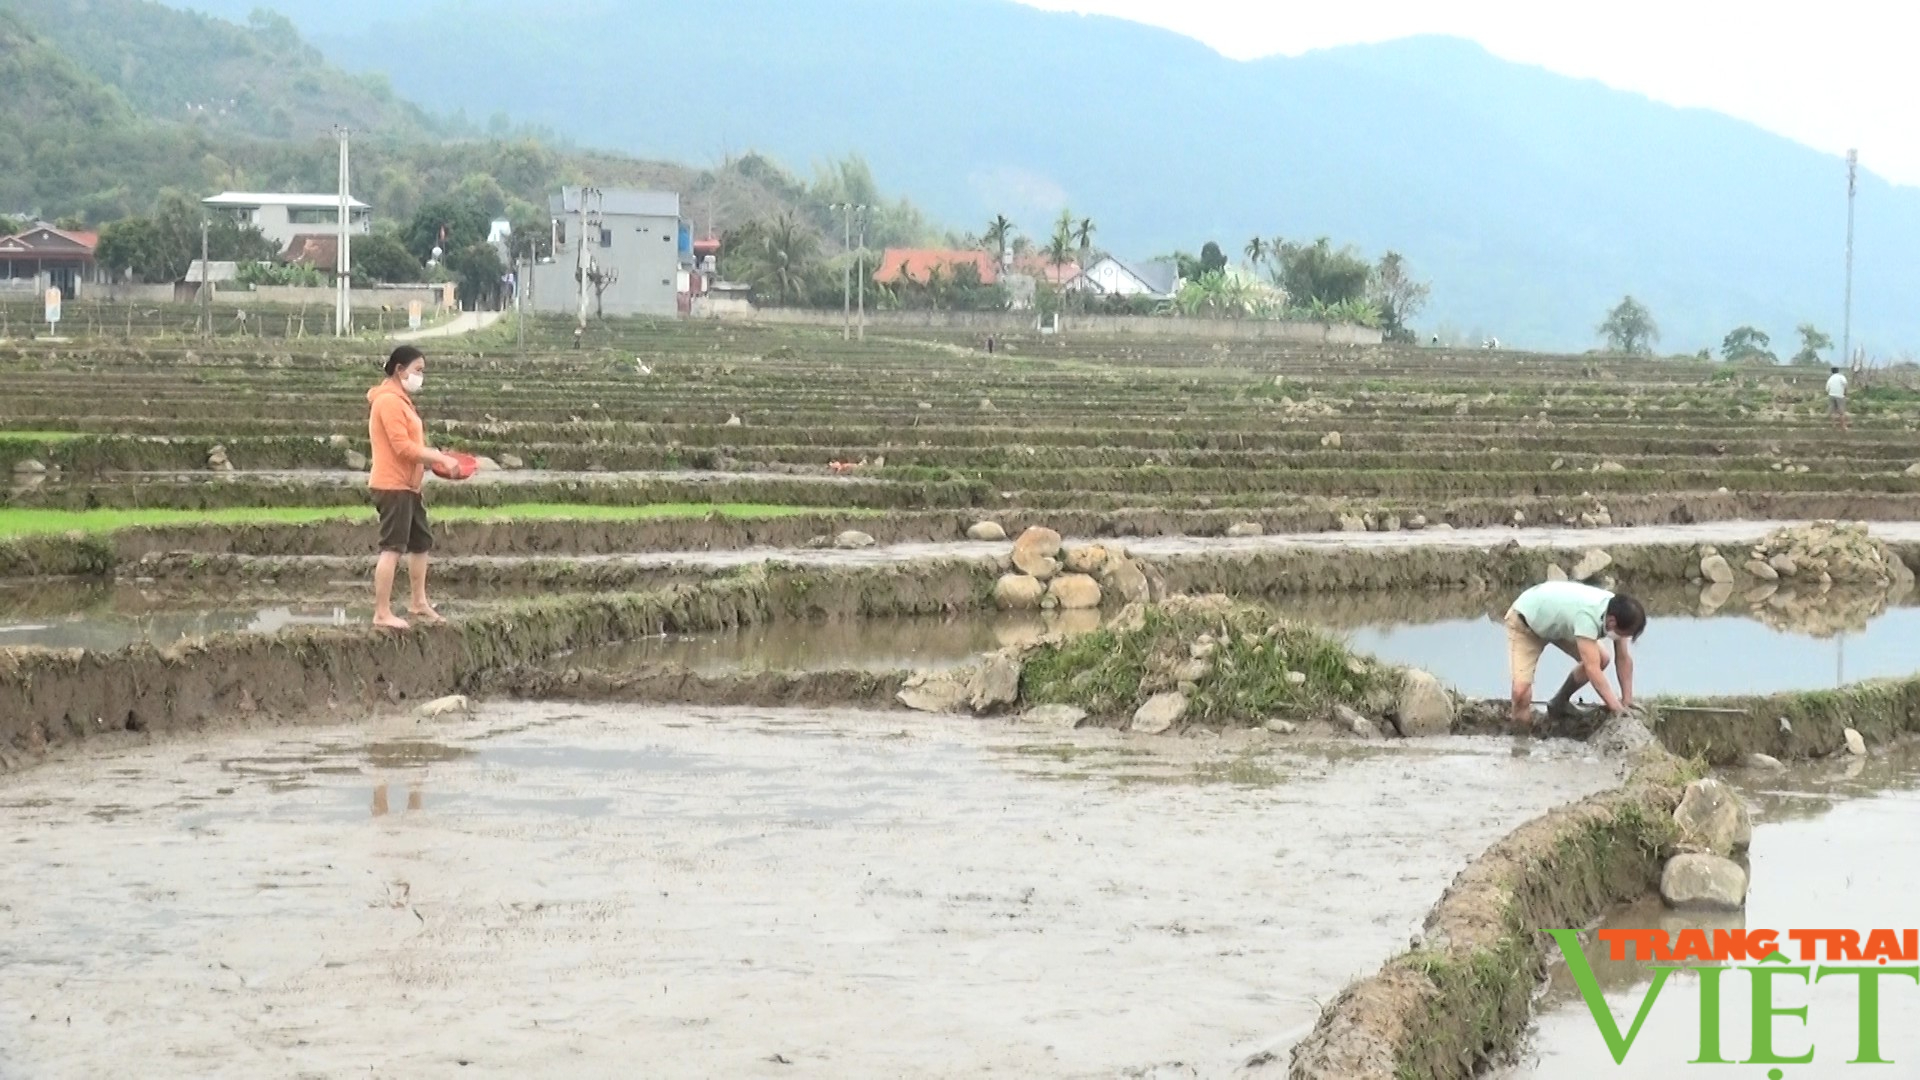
(1713, 825)
(1205, 650)
(1588, 567)
(1045, 575)
(985, 687)
(1817, 556)
(1356, 521)
(1828, 551)
(217, 459)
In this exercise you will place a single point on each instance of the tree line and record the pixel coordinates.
(1630, 329)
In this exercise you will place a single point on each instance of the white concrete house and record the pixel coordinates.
(282, 217)
(1109, 276)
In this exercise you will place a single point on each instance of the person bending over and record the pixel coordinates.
(1573, 618)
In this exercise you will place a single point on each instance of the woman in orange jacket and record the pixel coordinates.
(400, 460)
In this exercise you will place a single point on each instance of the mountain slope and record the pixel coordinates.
(90, 129)
(259, 79)
(1532, 201)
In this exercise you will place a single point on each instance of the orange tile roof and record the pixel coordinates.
(920, 262)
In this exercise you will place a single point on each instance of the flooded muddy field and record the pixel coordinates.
(1834, 846)
(104, 616)
(1453, 635)
(545, 889)
(1680, 655)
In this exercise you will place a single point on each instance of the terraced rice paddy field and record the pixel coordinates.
(688, 604)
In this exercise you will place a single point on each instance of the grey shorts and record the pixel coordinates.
(1836, 406)
(403, 522)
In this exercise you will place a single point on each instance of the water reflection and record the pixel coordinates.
(416, 798)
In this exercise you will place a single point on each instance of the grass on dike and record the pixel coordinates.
(42, 436)
(34, 522)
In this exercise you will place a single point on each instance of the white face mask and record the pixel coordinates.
(413, 382)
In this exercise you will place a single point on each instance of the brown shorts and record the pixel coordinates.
(403, 522)
(1524, 648)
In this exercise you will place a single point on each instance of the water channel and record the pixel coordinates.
(1835, 845)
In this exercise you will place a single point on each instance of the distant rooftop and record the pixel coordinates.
(237, 199)
(622, 202)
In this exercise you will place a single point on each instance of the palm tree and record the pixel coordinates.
(999, 233)
(1256, 251)
(1083, 236)
(789, 251)
(1060, 248)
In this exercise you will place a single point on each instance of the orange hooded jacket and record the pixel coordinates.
(399, 439)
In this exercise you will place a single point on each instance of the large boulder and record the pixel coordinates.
(1716, 569)
(1085, 559)
(1591, 565)
(994, 682)
(1856, 744)
(1055, 716)
(1712, 818)
(934, 692)
(1075, 592)
(1018, 592)
(1697, 882)
(1161, 712)
(852, 540)
(1034, 553)
(1124, 579)
(1763, 571)
(986, 530)
(1352, 719)
(1425, 705)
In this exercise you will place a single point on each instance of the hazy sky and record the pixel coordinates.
(1832, 75)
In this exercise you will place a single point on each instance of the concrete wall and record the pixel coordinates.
(276, 224)
(989, 322)
(645, 251)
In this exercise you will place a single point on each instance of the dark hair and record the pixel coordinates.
(401, 358)
(1835, 369)
(1628, 616)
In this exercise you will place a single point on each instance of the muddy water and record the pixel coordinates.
(1452, 635)
(106, 618)
(1834, 846)
(566, 891)
(1680, 654)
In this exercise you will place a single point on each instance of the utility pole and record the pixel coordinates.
(206, 288)
(862, 266)
(520, 286)
(845, 210)
(343, 262)
(1846, 326)
(583, 263)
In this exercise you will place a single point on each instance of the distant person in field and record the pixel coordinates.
(1574, 618)
(1837, 398)
(400, 460)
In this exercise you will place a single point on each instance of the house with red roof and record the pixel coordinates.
(51, 258)
(919, 264)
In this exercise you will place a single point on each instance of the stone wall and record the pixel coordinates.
(1016, 322)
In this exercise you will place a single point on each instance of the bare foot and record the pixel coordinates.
(427, 615)
(390, 622)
